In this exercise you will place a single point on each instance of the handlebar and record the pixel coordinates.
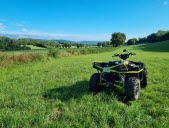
(116, 55)
(132, 53)
(124, 56)
(121, 54)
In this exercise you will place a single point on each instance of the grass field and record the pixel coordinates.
(55, 93)
(42, 51)
(35, 47)
(84, 50)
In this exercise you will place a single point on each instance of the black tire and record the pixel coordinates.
(94, 81)
(144, 81)
(132, 88)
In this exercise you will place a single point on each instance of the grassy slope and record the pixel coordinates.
(55, 94)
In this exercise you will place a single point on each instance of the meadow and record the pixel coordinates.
(34, 49)
(55, 93)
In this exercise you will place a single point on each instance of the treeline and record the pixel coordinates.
(49, 43)
(104, 44)
(117, 39)
(11, 44)
(152, 38)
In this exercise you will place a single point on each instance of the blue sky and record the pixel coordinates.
(83, 19)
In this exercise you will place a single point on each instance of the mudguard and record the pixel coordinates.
(141, 65)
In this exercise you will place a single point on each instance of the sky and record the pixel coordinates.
(83, 19)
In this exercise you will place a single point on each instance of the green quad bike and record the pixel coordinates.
(130, 75)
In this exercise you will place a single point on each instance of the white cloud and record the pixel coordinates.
(2, 26)
(165, 2)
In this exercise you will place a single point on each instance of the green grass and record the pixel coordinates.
(55, 93)
(35, 47)
(89, 50)
(42, 51)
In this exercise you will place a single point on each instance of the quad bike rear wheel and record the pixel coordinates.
(132, 88)
(144, 81)
(94, 83)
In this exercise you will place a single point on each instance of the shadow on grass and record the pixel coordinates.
(81, 88)
(65, 93)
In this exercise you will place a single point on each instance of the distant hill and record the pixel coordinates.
(90, 42)
(63, 41)
(45, 38)
(70, 41)
(57, 41)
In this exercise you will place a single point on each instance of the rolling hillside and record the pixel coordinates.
(55, 93)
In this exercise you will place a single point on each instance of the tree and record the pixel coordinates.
(141, 40)
(152, 38)
(9, 44)
(118, 39)
(99, 44)
(104, 44)
(131, 41)
(166, 36)
(79, 45)
(66, 45)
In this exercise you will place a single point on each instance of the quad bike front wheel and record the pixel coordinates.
(94, 83)
(132, 88)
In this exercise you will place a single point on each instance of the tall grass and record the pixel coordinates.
(53, 52)
(9, 59)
